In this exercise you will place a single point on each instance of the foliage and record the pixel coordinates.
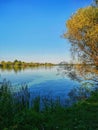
(17, 115)
(19, 65)
(82, 32)
(95, 3)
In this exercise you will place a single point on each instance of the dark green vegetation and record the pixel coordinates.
(15, 113)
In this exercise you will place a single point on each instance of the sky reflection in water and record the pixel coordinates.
(41, 81)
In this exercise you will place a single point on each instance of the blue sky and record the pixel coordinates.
(30, 30)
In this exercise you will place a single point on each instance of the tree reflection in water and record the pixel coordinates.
(86, 75)
(79, 72)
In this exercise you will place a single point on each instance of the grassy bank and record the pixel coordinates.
(15, 113)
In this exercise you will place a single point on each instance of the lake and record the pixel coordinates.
(43, 81)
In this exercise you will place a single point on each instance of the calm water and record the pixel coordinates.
(41, 81)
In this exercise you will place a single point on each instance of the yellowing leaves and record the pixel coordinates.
(82, 30)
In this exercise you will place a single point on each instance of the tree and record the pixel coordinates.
(82, 32)
(95, 3)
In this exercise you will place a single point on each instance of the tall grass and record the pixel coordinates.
(17, 114)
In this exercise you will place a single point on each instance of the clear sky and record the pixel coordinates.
(30, 30)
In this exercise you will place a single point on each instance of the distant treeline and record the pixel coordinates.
(18, 63)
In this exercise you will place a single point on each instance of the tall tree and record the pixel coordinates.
(82, 32)
(95, 2)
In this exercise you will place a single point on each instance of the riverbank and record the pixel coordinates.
(22, 64)
(15, 113)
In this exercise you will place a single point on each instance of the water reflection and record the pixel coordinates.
(43, 80)
(80, 72)
(56, 81)
(64, 96)
(69, 83)
(22, 68)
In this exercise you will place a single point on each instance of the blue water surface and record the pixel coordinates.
(43, 81)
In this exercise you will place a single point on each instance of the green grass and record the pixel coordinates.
(15, 113)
